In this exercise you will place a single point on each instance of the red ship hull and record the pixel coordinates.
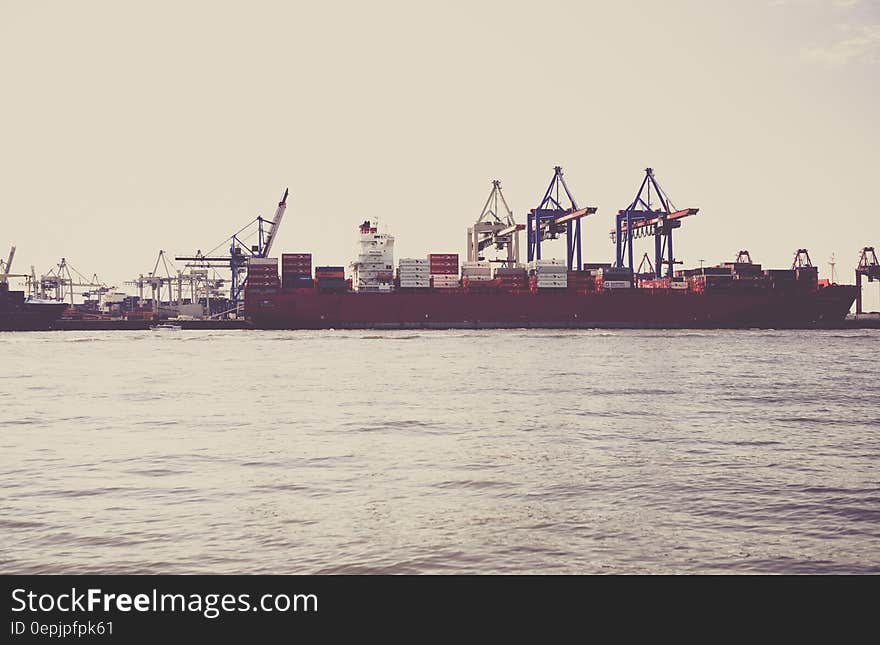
(628, 308)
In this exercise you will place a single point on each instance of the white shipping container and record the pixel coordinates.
(546, 263)
(263, 261)
(409, 261)
(678, 285)
(616, 284)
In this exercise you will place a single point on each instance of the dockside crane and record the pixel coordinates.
(6, 267)
(641, 219)
(869, 268)
(743, 257)
(802, 260)
(495, 227)
(552, 218)
(156, 282)
(61, 280)
(240, 249)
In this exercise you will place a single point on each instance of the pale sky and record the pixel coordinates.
(130, 127)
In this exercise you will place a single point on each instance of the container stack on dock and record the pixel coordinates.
(331, 278)
(413, 273)
(548, 274)
(444, 270)
(296, 270)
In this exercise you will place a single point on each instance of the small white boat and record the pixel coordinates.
(163, 326)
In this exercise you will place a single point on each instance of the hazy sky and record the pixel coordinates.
(129, 127)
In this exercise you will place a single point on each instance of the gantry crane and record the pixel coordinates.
(240, 250)
(551, 218)
(868, 267)
(60, 279)
(495, 227)
(156, 281)
(640, 219)
(743, 257)
(802, 260)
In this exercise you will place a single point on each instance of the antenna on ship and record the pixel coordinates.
(833, 262)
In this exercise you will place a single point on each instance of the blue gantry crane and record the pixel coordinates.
(641, 219)
(242, 248)
(552, 218)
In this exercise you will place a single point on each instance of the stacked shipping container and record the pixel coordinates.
(413, 273)
(263, 272)
(614, 278)
(443, 270)
(331, 278)
(581, 281)
(480, 271)
(443, 281)
(548, 274)
(512, 278)
(296, 270)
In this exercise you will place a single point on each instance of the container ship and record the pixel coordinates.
(439, 292)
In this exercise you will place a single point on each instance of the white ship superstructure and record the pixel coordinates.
(374, 268)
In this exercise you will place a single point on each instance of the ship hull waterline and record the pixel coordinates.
(625, 308)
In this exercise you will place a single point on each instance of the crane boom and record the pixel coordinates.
(651, 221)
(8, 266)
(276, 222)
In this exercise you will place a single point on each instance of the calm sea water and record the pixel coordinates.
(440, 452)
